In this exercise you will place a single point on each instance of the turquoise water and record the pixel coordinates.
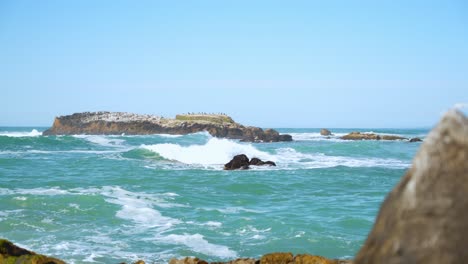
(107, 199)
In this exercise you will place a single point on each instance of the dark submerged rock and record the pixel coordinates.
(242, 162)
(424, 219)
(259, 162)
(238, 162)
(415, 140)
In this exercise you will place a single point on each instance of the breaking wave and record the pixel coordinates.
(32, 133)
(216, 151)
(220, 151)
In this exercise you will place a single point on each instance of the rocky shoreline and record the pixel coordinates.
(424, 219)
(117, 123)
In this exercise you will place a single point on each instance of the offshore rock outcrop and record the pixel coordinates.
(10, 253)
(325, 132)
(370, 136)
(424, 219)
(242, 162)
(116, 123)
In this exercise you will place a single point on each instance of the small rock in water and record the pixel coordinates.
(242, 162)
(415, 140)
(325, 132)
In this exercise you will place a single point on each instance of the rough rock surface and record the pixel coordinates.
(116, 123)
(238, 162)
(424, 219)
(272, 258)
(10, 253)
(242, 162)
(370, 136)
(325, 132)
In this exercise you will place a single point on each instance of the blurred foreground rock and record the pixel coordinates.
(425, 217)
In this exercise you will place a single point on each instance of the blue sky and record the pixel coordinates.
(265, 63)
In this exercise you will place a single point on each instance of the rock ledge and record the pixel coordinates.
(116, 123)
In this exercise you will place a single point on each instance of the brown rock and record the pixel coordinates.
(390, 137)
(369, 136)
(277, 258)
(116, 123)
(244, 261)
(425, 217)
(310, 259)
(187, 260)
(10, 253)
(325, 132)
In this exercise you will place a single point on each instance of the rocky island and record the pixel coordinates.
(116, 123)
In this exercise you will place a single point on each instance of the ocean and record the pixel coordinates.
(109, 199)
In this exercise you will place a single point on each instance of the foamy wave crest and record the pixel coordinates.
(138, 208)
(199, 244)
(316, 136)
(105, 141)
(215, 152)
(33, 133)
(35, 191)
(319, 160)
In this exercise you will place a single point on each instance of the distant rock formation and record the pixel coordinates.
(370, 136)
(242, 162)
(116, 123)
(325, 132)
(424, 219)
(272, 258)
(10, 253)
(416, 139)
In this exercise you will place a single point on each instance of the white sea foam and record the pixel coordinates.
(334, 137)
(138, 208)
(219, 151)
(169, 135)
(215, 152)
(319, 160)
(199, 244)
(105, 141)
(34, 191)
(316, 137)
(209, 223)
(252, 232)
(33, 133)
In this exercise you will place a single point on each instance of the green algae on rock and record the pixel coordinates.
(12, 254)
